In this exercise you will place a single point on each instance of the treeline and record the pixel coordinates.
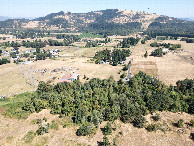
(66, 42)
(55, 43)
(114, 58)
(165, 45)
(128, 42)
(73, 38)
(30, 33)
(34, 44)
(27, 44)
(98, 100)
(171, 29)
(190, 40)
(4, 61)
(105, 28)
(11, 44)
(25, 33)
(37, 43)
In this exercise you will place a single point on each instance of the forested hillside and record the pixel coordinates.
(174, 29)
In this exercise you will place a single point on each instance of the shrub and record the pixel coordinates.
(54, 125)
(180, 123)
(45, 119)
(42, 129)
(139, 121)
(105, 141)
(192, 123)
(84, 130)
(192, 136)
(123, 76)
(28, 138)
(39, 121)
(156, 117)
(125, 68)
(143, 41)
(107, 130)
(33, 122)
(146, 54)
(152, 127)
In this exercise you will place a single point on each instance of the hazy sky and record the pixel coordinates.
(37, 8)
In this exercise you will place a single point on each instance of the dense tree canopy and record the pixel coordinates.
(97, 100)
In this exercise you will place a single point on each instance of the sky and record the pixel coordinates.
(38, 8)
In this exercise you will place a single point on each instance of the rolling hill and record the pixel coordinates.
(110, 22)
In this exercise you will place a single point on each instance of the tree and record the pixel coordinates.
(125, 68)
(37, 50)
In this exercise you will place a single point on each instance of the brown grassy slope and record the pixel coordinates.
(12, 132)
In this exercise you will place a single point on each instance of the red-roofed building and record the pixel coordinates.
(66, 77)
(69, 78)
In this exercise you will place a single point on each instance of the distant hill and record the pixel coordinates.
(3, 18)
(187, 19)
(110, 21)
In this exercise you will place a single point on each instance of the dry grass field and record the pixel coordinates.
(170, 68)
(13, 77)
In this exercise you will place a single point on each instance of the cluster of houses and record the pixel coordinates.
(107, 62)
(5, 53)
